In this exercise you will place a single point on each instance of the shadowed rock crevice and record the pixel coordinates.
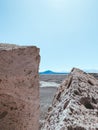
(66, 104)
(58, 96)
(75, 128)
(69, 83)
(3, 114)
(87, 103)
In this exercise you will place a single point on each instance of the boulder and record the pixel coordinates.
(19, 88)
(75, 105)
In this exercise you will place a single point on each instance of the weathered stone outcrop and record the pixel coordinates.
(19, 88)
(75, 105)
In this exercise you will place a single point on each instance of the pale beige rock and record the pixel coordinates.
(19, 88)
(75, 105)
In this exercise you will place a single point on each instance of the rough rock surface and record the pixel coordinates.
(19, 88)
(75, 105)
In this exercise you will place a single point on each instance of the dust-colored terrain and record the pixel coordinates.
(53, 78)
(47, 93)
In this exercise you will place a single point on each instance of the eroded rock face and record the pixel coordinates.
(75, 105)
(19, 88)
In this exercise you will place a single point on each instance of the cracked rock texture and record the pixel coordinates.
(19, 88)
(75, 105)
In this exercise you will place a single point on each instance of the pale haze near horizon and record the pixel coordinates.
(66, 31)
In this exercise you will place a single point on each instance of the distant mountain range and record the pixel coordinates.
(52, 72)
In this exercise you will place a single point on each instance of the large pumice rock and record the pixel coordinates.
(19, 88)
(75, 105)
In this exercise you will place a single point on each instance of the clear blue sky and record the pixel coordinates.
(66, 31)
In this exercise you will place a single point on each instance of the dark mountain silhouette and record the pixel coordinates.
(52, 72)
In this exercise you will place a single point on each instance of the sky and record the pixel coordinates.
(66, 31)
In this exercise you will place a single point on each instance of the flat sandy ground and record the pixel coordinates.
(52, 78)
(46, 97)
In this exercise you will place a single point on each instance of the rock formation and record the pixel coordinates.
(75, 105)
(19, 88)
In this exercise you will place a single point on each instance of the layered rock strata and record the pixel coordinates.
(75, 105)
(19, 88)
